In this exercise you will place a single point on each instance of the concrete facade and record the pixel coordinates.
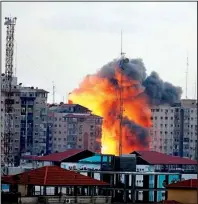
(29, 120)
(174, 129)
(71, 126)
(185, 196)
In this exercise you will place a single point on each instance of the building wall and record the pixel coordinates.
(184, 196)
(28, 121)
(174, 129)
(74, 130)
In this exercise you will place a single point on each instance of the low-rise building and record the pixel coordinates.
(184, 192)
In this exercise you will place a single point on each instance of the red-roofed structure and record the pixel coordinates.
(71, 155)
(183, 191)
(157, 158)
(171, 202)
(76, 186)
(52, 176)
(189, 184)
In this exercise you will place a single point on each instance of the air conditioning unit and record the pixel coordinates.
(67, 201)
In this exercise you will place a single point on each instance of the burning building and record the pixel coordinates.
(101, 93)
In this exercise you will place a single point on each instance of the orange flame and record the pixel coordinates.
(103, 98)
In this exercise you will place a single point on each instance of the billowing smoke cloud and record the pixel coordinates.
(161, 92)
(158, 91)
(136, 131)
(100, 93)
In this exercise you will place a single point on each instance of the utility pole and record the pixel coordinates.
(7, 136)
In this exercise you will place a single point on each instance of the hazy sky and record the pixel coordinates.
(64, 41)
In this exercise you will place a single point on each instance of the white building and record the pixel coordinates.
(174, 129)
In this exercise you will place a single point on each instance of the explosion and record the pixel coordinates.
(100, 92)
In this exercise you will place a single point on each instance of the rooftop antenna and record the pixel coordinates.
(15, 57)
(187, 66)
(121, 52)
(122, 61)
(195, 89)
(8, 157)
(53, 100)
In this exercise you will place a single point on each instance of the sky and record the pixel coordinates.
(65, 41)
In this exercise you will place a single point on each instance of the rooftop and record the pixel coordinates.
(171, 202)
(157, 158)
(190, 184)
(52, 176)
(69, 155)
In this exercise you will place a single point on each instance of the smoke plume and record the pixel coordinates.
(158, 91)
(101, 93)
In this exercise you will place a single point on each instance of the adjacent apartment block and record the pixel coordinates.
(174, 129)
(72, 126)
(29, 121)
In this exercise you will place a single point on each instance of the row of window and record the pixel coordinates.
(172, 110)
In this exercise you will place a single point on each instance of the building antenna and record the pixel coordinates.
(121, 101)
(121, 47)
(187, 66)
(7, 157)
(53, 92)
(195, 89)
(15, 57)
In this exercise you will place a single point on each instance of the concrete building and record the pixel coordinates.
(71, 126)
(29, 119)
(183, 191)
(174, 129)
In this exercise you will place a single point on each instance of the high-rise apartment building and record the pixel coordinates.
(29, 127)
(71, 126)
(174, 129)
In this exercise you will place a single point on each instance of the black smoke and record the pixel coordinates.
(157, 90)
(140, 132)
